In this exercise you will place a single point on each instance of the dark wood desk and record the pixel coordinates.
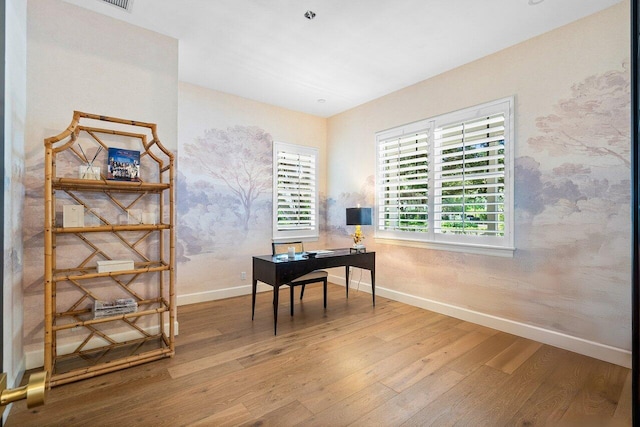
(279, 270)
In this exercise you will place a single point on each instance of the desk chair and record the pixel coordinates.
(313, 277)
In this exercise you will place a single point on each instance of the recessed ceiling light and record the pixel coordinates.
(535, 2)
(309, 14)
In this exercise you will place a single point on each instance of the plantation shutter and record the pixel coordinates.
(295, 201)
(447, 182)
(403, 176)
(469, 177)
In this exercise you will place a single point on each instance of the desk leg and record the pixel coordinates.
(373, 286)
(275, 309)
(346, 280)
(253, 298)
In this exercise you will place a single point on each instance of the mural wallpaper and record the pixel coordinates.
(336, 211)
(577, 210)
(224, 189)
(33, 244)
(572, 225)
(225, 207)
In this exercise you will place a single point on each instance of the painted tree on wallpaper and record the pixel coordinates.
(224, 188)
(591, 132)
(241, 157)
(594, 122)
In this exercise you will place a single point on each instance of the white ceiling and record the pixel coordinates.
(352, 52)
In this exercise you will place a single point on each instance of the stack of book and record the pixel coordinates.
(113, 308)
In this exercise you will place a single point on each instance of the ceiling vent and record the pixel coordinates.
(120, 4)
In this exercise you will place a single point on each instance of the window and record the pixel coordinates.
(447, 181)
(295, 196)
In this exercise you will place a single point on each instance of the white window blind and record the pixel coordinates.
(448, 181)
(469, 177)
(403, 173)
(295, 191)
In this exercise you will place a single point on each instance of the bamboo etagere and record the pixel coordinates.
(77, 343)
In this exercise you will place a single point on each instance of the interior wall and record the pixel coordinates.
(14, 139)
(81, 60)
(225, 186)
(569, 279)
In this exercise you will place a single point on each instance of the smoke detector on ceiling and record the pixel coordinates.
(120, 4)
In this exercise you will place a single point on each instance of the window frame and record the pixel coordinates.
(303, 234)
(489, 245)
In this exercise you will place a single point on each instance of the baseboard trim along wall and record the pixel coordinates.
(216, 294)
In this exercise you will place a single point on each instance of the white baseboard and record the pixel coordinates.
(217, 294)
(35, 358)
(593, 349)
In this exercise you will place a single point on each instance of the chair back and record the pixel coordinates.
(282, 247)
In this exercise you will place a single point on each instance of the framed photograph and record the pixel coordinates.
(123, 165)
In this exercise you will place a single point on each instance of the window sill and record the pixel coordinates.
(498, 251)
(299, 238)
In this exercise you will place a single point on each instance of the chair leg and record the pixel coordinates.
(291, 298)
(302, 291)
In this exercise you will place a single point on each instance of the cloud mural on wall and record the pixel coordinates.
(336, 207)
(224, 188)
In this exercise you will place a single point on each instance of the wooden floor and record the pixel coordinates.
(352, 364)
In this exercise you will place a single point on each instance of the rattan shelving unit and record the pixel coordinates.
(77, 344)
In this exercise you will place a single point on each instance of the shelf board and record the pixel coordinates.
(107, 185)
(160, 307)
(111, 228)
(83, 273)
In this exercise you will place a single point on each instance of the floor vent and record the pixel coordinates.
(121, 4)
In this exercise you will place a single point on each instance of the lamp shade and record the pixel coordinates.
(358, 216)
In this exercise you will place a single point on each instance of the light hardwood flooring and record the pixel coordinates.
(352, 364)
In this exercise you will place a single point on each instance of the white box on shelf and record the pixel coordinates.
(89, 172)
(108, 266)
(73, 216)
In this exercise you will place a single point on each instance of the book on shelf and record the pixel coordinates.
(112, 308)
(112, 265)
(123, 165)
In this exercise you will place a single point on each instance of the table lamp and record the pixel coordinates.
(358, 216)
